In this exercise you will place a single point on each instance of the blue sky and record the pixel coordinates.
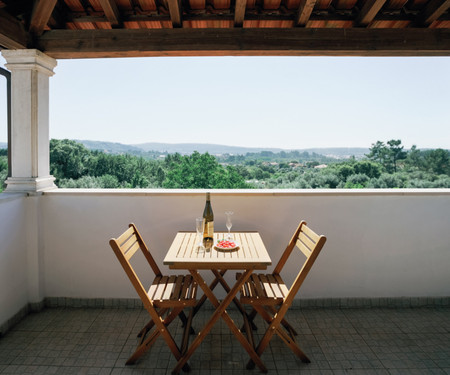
(287, 102)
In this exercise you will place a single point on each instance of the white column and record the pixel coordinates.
(30, 154)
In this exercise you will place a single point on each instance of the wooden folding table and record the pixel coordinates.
(251, 255)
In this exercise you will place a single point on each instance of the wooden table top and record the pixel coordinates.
(252, 254)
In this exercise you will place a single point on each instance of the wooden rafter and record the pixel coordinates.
(12, 33)
(250, 15)
(239, 12)
(245, 41)
(304, 12)
(42, 12)
(369, 11)
(433, 11)
(175, 12)
(111, 11)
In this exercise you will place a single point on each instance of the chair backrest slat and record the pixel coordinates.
(125, 246)
(131, 273)
(303, 248)
(135, 246)
(310, 233)
(310, 244)
(306, 268)
(145, 251)
(289, 248)
(307, 241)
(124, 236)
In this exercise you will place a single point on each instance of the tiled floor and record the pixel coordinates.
(347, 341)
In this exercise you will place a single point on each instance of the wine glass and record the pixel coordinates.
(199, 227)
(229, 224)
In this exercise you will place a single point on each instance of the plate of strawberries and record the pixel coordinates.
(226, 245)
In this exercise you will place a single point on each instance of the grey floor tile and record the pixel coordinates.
(347, 341)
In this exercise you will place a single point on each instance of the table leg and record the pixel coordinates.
(220, 312)
(219, 276)
(211, 286)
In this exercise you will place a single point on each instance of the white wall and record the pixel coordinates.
(13, 256)
(380, 243)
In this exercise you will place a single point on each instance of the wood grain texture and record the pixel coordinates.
(242, 41)
(304, 12)
(111, 11)
(12, 33)
(239, 12)
(251, 254)
(433, 11)
(41, 14)
(369, 11)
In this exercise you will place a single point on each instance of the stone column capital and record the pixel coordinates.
(30, 156)
(29, 59)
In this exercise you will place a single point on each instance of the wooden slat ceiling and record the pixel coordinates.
(107, 28)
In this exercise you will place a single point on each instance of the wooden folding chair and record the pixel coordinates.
(271, 298)
(164, 300)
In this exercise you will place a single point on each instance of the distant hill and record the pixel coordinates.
(189, 148)
(214, 149)
(109, 147)
(340, 152)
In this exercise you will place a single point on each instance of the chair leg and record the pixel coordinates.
(145, 344)
(143, 347)
(290, 342)
(184, 321)
(150, 324)
(251, 317)
(143, 332)
(284, 322)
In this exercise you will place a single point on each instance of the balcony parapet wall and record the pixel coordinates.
(383, 245)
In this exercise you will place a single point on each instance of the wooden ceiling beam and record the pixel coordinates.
(111, 11)
(369, 12)
(304, 12)
(175, 13)
(433, 11)
(42, 11)
(12, 32)
(63, 44)
(239, 13)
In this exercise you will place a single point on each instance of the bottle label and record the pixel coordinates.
(209, 229)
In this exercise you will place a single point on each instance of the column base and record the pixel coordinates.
(29, 184)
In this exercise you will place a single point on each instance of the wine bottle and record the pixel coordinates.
(208, 223)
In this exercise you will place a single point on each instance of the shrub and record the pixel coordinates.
(357, 181)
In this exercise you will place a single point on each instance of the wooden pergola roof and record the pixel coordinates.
(125, 28)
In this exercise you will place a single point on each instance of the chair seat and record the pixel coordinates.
(264, 289)
(173, 291)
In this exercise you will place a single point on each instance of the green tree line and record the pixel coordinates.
(387, 165)
(74, 166)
